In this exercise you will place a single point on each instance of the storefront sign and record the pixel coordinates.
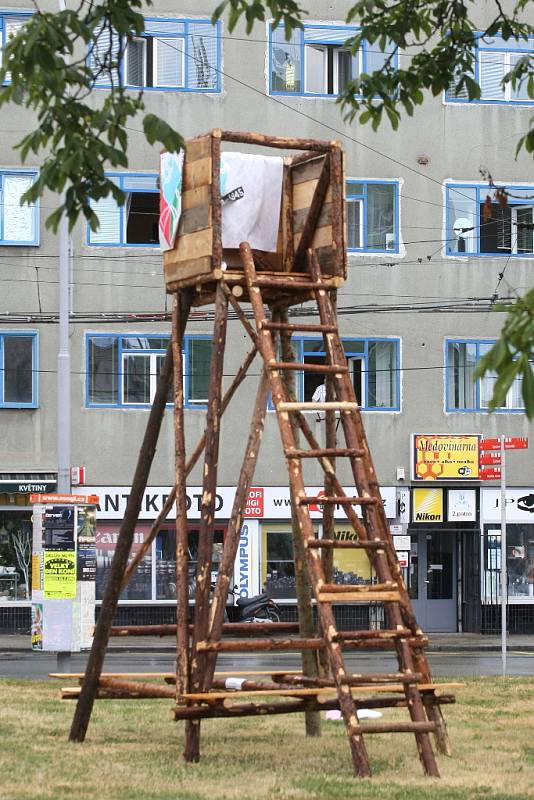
(269, 502)
(461, 505)
(445, 457)
(402, 542)
(60, 575)
(490, 459)
(490, 474)
(245, 574)
(427, 505)
(403, 557)
(519, 505)
(510, 443)
(25, 487)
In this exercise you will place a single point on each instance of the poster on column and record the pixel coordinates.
(59, 575)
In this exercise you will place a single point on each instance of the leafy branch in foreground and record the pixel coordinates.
(79, 132)
(511, 356)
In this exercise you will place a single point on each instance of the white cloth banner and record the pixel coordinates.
(252, 186)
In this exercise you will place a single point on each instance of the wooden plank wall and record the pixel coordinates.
(304, 178)
(191, 257)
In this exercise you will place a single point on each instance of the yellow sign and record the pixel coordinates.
(37, 576)
(59, 574)
(427, 505)
(445, 457)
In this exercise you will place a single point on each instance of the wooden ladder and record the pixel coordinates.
(372, 529)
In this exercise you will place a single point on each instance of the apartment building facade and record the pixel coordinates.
(425, 261)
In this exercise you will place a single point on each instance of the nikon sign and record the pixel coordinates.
(427, 505)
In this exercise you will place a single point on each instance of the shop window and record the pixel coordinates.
(15, 555)
(171, 54)
(315, 61)
(133, 224)
(519, 562)
(279, 570)
(493, 59)
(140, 586)
(166, 561)
(372, 211)
(18, 370)
(477, 228)
(123, 371)
(373, 365)
(463, 393)
(350, 566)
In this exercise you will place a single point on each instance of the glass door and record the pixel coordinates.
(433, 580)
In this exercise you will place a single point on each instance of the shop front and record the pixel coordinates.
(444, 533)
(264, 560)
(519, 559)
(16, 545)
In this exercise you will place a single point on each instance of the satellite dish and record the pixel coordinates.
(462, 227)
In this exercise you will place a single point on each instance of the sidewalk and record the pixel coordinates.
(439, 642)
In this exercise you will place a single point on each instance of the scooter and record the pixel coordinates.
(260, 608)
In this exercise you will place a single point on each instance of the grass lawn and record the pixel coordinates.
(133, 752)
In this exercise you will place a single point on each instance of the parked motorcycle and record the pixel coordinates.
(260, 608)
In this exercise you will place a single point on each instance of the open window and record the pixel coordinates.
(134, 223)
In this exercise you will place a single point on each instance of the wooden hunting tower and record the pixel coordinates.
(303, 260)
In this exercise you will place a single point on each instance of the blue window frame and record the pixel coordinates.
(474, 227)
(171, 55)
(19, 224)
(315, 62)
(462, 392)
(374, 365)
(493, 59)
(19, 369)
(10, 24)
(372, 209)
(122, 369)
(134, 224)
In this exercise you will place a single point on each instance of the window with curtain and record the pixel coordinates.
(174, 54)
(123, 370)
(317, 62)
(474, 227)
(372, 212)
(19, 224)
(463, 393)
(494, 58)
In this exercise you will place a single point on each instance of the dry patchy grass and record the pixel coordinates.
(133, 752)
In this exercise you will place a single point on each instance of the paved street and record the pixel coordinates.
(444, 664)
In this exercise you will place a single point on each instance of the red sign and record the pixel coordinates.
(490, 474)
(510, 443)
(63, 499)
(254, 507)
(490, 459)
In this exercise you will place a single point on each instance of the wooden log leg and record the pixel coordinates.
(95, 661)
(207, 513)
(416, 707)
(231, 542)
(435, 714)
(310, 664)
(182, 550)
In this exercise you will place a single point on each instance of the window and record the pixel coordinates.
(315, 61)
(500, 230)
(372, 211)
(18, 370)
(494, 58)
(133, 224)
(374, 366)
(10, 24)
(172, 54)
(465, 394)
(19, 224)
(123, 370)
